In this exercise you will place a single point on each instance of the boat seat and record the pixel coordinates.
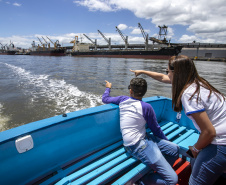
(175, 133)
(112, 165)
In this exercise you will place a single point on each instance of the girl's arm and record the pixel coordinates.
(157, 76)
(207, 134)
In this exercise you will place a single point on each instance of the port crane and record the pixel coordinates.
(5, 47)
(43, 45)
(56, 44)
(94, 42)
(145, 35)
(108, 41)
(2, 46)
(123, 37)
(162, 32)
(46, 42)
(74, 42)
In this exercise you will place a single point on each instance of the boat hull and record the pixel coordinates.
(164, 53)
(7, 52)
(58, 52)
(62, 140)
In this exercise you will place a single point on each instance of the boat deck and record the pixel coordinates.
(111, 165)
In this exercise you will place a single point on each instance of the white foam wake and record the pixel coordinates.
(67, 97)
(3, 120)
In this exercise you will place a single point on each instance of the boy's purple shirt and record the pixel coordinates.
(148, 112)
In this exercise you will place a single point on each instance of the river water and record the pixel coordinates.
(37, 87)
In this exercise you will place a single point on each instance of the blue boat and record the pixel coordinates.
(85, 147)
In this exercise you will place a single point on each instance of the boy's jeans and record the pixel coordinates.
(209, 165)
(150, 152)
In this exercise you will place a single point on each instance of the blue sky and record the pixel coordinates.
(22, 21)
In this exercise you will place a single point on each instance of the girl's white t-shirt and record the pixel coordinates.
(214, 107)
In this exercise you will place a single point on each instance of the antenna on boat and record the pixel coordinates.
(81, 38)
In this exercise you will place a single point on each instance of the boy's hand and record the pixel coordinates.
(108, 84)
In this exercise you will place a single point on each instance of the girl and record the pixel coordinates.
(206, 107)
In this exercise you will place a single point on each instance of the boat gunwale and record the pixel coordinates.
(26, 129)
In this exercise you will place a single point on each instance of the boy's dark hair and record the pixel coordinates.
(138, 86)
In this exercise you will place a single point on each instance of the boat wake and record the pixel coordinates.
(65, 97)
(3, 119)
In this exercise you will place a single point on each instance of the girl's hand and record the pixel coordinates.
(108, 84)
(137, 72)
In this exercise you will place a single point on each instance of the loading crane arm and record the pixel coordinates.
(145, 35)
(2, 45)
(11, 44)
(50, 40)
(123, 37)
(104, 37)
(43, 45)
(75, 41)
(44, 40)
(56, 44)
(142, 31)
(40, 41)
(89, 39)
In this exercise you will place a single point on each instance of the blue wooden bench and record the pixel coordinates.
(112, 165)
(175, 133)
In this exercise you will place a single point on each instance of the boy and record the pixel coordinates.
(134, 114)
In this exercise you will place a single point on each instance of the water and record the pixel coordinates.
(35, 87)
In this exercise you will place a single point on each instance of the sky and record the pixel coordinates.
(24, 21)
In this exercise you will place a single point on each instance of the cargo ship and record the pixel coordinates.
(157, 52)
(50, 52)
(7, 50)
(159, 49)
(46, 50)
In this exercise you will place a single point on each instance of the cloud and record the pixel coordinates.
(95, 5)
(188, 39)
(16, 4)
(136, 31)
(201, 17)
(122, 26)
